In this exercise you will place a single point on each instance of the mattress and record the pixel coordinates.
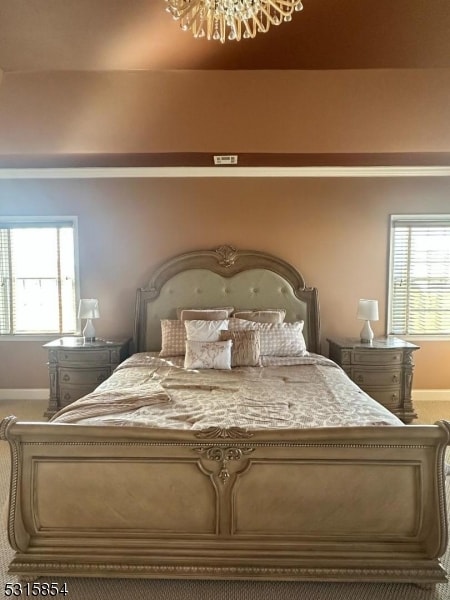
(301, 392)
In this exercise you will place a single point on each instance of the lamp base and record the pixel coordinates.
(89, 331)
(366, 334)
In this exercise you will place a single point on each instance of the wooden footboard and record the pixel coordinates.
(353, 504)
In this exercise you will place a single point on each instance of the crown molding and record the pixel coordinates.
(221, 172)
(201, 164)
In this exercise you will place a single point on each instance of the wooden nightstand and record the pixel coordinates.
(383, 369)
(77, 368)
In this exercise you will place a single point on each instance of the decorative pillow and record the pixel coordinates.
(246, 348)
(204, 331)
(270, 315)
(284, 339)
(229, 310)
(190, 314)
(173, 338)
(277, 339)
(242, 324)
(208, 355)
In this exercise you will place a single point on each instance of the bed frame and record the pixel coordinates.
(336, 504)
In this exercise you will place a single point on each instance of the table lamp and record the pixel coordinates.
(368, 311)
(88, 309)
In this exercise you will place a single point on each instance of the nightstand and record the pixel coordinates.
(383, 369)
(76, 368)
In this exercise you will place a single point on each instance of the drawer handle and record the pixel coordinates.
(394, 379)
(101, 378)
(360, 379)
(66, 377)
(66, 356)
(394, 397)
(67, 396)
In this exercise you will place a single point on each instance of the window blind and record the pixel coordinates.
(37, 277)
(420, 276)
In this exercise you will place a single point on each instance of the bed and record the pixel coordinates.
(222, 497)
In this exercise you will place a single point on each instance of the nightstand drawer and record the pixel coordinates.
(70, 393)
(84, 376)
(376, 357)
(391, 400)
(376, 377)
(78, 357)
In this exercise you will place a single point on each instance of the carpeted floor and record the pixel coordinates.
(112, 589)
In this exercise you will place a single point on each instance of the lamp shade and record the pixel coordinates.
(368, 310)
(88, 308)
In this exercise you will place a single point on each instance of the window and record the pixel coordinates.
(419, 290)
(38, 287)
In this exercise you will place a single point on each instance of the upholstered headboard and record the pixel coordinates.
(224, 277)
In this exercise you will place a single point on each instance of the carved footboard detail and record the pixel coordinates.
(359, 504)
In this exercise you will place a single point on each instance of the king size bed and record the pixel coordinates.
(244, 455)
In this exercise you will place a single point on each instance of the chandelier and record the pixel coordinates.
(231, 19)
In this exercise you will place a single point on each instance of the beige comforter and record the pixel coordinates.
(304, 392)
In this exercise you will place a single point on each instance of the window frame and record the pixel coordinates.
(39, 221)
(420, 218)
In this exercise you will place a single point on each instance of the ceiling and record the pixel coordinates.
(47, 35)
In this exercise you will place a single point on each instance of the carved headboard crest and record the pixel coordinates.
(226, 255)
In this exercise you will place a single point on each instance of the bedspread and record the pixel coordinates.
(146, 390)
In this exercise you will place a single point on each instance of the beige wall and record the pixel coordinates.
(335, 231)
(402, 110)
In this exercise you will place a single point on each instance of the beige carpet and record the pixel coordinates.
(112, 589)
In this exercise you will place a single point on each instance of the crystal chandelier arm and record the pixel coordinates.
(275, 19)
(251, 31)
(279, 4)
(179, 8)
(290, 4)
(192, 16)
(261, 27)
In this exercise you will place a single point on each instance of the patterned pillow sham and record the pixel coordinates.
(173, 338)
(208, 355)
(271, 315)
(246, 348)
(285, 339)
(199, 330)
(277, 339)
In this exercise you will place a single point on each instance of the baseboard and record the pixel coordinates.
(431, 395)
(24, 394)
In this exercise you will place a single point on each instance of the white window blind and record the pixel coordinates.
(420, 275)
(37, 276)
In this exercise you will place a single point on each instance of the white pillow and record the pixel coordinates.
(205, 331)
(208, 355)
